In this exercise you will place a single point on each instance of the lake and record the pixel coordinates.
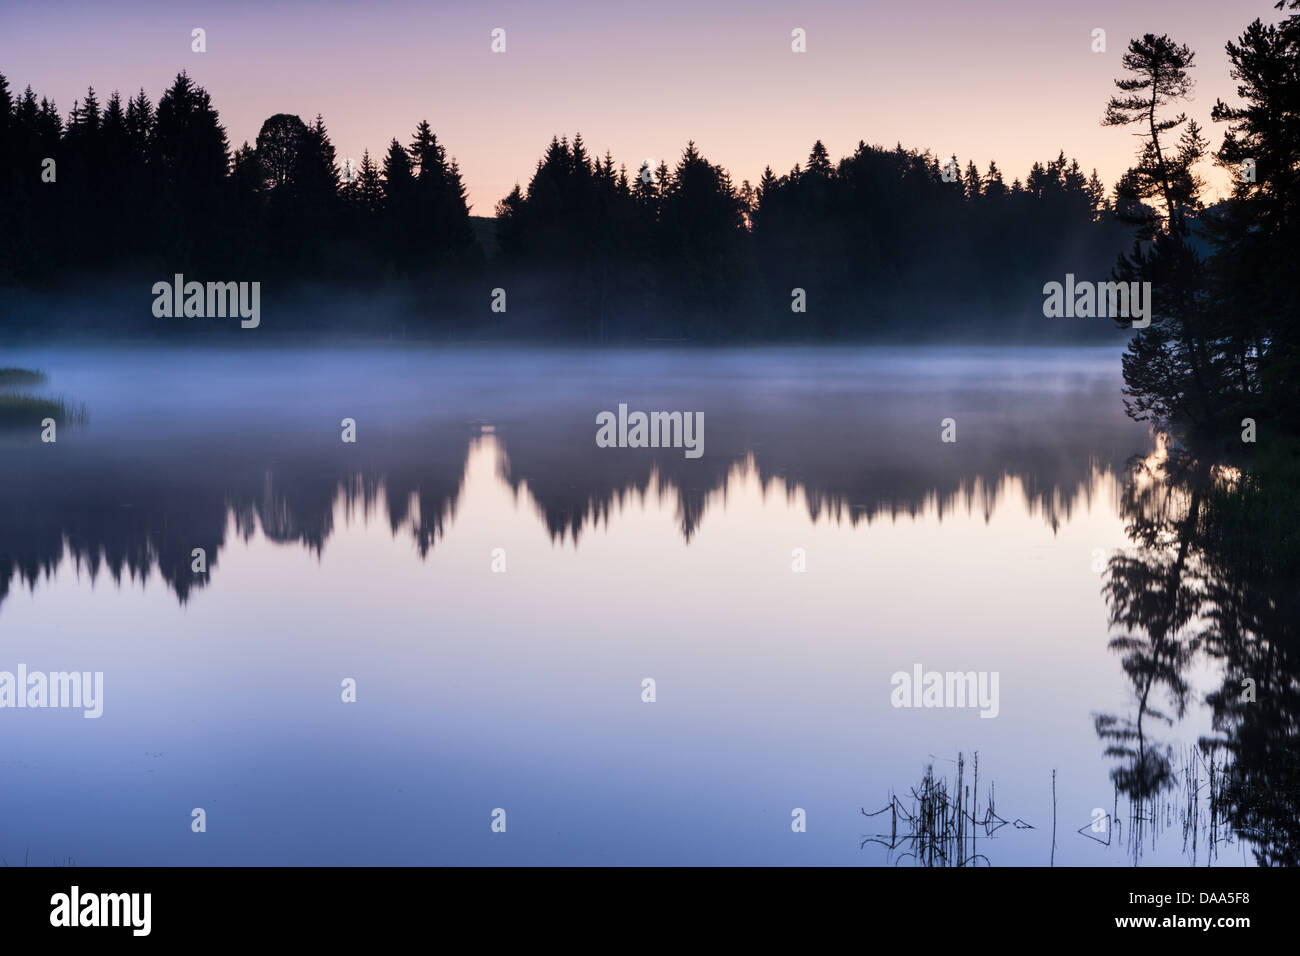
(497, 591)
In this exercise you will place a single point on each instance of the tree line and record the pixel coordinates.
(1222, 346)
(884, 240)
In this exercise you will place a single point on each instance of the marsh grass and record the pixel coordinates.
(10, 377)
(20, 410)
(939, 825)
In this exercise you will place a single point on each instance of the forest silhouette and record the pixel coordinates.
(884, 242)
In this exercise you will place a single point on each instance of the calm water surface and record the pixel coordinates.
(522, 690)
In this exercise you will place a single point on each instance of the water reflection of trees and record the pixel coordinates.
(1210, 579)
(112, 504)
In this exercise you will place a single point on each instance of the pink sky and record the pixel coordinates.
(1014, 81)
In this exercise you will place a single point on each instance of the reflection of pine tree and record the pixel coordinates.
(1154, 595)
(1213, 577)
(1252, 615)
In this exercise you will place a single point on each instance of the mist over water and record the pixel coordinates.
(522, 690)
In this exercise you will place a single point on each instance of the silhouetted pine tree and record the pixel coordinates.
(702, 242)
(1257, 236)
(370, 186)
(993, 187)
(190, 159)
(396, 226)
(1169, 369)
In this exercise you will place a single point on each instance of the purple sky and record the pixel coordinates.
(1014, 81)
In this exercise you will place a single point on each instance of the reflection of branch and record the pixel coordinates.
(1155, 599)
(1213, 573)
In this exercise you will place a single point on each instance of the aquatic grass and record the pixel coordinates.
(10, 377)
(940, 827)
(20, 410)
